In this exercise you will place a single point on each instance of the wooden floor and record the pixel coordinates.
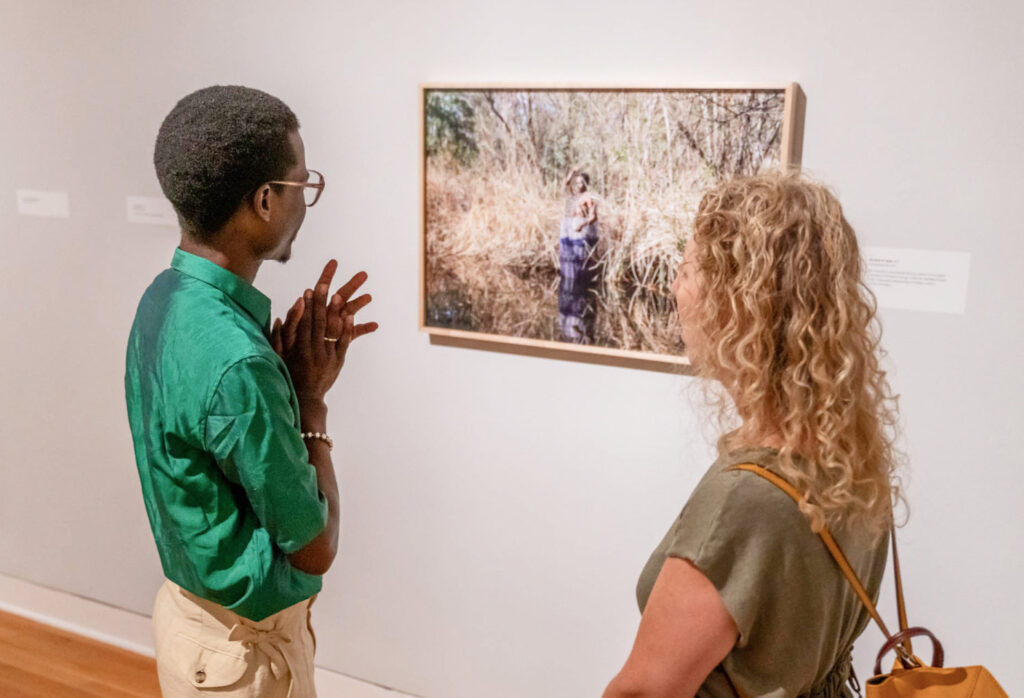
(40, 661)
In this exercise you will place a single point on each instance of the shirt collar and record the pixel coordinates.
(237, 288)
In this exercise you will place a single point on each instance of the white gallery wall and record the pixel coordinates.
(497, 508)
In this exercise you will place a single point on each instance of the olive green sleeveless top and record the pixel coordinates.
(797, 615)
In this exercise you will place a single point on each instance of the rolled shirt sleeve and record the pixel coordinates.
(252, 430)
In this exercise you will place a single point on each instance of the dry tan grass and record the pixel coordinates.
(498, 243)
(515, 224)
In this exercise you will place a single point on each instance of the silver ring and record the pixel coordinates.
(331, 339)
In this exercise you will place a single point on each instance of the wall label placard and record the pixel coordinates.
(908, 279)
(153, 210)
(40, 202)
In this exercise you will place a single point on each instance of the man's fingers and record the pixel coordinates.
(319, 300)
(327, 275)
(319, 313)
(354, 306)
(334, 319)
(365, 328)
(346, 291)
(302, 334)
(291, 323)
(275, 337)
(348, 322)
(294, 312)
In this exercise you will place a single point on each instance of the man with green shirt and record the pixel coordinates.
(227, 412)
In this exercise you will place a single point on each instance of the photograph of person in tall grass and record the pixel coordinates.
(560, 215)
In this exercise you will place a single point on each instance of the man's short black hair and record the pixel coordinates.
(216, 147)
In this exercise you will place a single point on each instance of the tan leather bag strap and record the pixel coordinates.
(833, 548)
(901, 607)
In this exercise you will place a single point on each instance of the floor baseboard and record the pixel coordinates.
(132, 631)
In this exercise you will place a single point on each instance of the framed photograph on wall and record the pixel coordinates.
(553, 219)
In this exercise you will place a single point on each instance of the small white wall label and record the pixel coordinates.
(154, 210)
(929, 280)
(39, 202)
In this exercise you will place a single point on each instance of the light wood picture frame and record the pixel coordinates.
(520, 255)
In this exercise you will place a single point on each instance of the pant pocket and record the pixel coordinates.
(208, 665)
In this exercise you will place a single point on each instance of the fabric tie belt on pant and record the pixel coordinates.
(266, 641)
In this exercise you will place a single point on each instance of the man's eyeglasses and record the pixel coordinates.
(312, 189)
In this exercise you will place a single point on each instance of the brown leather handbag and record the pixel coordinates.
(909, 676)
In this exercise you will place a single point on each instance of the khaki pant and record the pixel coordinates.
(203, 649)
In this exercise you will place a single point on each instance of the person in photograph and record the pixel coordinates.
(577, 252)
(579, 230)
(741, 597)
(227, 412)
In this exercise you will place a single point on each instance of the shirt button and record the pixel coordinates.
(200, 676)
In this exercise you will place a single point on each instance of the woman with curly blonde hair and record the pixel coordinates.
(741, 598)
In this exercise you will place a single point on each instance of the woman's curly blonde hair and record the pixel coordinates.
(790, 331)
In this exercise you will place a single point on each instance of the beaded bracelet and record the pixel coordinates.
(322, 437)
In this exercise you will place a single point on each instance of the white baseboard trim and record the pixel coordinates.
(132, 631)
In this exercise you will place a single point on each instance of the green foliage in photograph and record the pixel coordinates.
(450, 125)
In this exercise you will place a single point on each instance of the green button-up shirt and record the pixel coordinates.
(226, 478)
